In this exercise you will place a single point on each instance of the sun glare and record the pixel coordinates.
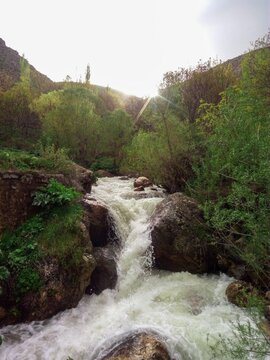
(153, 93)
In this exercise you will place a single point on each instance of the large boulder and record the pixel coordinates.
(139, 346)
(80, 178)
(62, 287)
(180, 236)
(99, 222)
(105, 274)
(142, 181)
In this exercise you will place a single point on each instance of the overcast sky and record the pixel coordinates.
(129, 44)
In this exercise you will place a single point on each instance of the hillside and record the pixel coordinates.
(236, 62)
(10, 71)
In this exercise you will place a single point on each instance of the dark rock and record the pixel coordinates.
(238, 271)
(63, 290)
(267, 296)
(98, 222)
(142, 181)
(180, 236)
(239, 291)
(105, 274)
(139, 188)
(3, 313)
(139, 346)
(103, 173)
(82, 179)
(267, 312)
(144, 195)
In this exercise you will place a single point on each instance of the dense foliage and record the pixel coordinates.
(233, 178)
(45, 158)
(77, 118)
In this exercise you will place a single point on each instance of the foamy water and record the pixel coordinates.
(183, 308)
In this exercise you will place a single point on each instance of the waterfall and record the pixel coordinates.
(184, 309)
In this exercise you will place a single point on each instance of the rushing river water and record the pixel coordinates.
(185, 309)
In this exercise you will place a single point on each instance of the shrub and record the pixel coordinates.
(48, 158)
(164, 155)
(248, 340)
(54, 194)
(104, 163)
(61, 236)
(4, 273)
(233, 179)
(28, 280)
(52, 158)
(19, 255)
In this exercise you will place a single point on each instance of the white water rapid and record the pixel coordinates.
(184, 308)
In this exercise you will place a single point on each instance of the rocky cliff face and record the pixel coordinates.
(62, 285)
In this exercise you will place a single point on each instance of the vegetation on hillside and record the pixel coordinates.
(89, 123)
(49, 159)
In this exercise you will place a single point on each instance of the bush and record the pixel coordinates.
(54, 194)
(104, 163)
(249, 339)
(28, 280)
(52, 158)
(19, 255)
(61, 237)
(233, 180)
(164, 155)
(48, 158)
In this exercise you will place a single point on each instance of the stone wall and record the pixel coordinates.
(17, 189)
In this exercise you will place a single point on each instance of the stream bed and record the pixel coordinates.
(185, 309)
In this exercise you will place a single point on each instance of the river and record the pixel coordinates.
(185, 309)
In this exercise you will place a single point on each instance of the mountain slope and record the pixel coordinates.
(10, 71)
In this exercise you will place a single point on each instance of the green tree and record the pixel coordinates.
(116, 132)
(87, 74)
(205, 82)
(19, 125)
(70, 120)
(164, 153)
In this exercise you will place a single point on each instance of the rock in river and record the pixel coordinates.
(139, 346)
(179, 236)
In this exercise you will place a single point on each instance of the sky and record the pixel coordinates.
(129, 44)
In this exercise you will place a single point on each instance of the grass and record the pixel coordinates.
(61, 237)
(48, 159)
